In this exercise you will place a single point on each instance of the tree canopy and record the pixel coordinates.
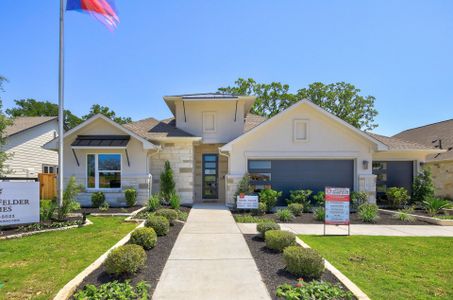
(341, 99)
(106, 111)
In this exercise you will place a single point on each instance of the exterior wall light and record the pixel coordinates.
(365, 164)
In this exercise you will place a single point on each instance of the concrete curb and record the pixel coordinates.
(358, 293)
(20, 235)
(67, 291)
(431, 220)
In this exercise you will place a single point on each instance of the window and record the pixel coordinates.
(209, 122)
(260, 174)
(49, 169)
(210, 184)
(300, 130)
(104, 171)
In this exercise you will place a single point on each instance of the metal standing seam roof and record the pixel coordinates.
(101, 141)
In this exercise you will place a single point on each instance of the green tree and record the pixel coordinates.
(423, 187)
(4, 122)
(167, 183)
(99, 109)
(34, 108)
(343, 100)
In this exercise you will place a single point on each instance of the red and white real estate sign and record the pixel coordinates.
(247, 202)
(337, 206)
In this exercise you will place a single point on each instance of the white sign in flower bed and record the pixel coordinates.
(19, 203)
(337, 202)
(247, 202)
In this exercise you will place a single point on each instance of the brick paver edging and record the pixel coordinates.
(67, 291)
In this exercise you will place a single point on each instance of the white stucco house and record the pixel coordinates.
(25, 139)
(212, 141)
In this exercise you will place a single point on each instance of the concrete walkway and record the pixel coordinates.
(210, 260)
(359, 229)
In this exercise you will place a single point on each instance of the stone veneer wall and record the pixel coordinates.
(442, 173)
(232, 184)
(367, 184)
(180, 156)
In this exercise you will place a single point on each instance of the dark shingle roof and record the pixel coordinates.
(151, 128)
(427, 134)
(398, 144)
(23, 123)
(251, 121)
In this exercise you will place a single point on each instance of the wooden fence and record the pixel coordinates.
(47, 186)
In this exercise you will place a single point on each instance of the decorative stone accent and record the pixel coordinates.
(367, 183)
(231, 188)
(442, 173)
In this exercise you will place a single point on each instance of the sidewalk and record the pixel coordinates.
(210, 260)
(360, 229)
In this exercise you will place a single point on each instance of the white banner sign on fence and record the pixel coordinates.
(19, 203)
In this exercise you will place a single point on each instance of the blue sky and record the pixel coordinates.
(401, 52)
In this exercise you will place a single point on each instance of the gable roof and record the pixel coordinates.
(153, 129)
(426, 134)
(396, 144)
(252, 120)
(21, 124)
(379, 144)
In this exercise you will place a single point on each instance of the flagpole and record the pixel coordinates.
(61, 106)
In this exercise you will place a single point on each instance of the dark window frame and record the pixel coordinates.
(216, 168)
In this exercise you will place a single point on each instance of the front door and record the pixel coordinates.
(210, 176)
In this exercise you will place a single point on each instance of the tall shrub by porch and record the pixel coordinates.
(167, 183)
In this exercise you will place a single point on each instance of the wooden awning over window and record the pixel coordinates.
(101, 141)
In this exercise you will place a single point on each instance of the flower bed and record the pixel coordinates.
(422, 216)
(183, 212)
(110, 210)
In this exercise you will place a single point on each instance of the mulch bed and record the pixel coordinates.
(16, 229)
(307, 218)
(272, 266)
(157, 257)
(144, 213)
(111, 210)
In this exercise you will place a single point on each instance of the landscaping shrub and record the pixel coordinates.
(284, 215)
(182, 215)
(249, 219)
(153, 203)
(160, 224)
(244, 187)
(279, 239)
(266, 226)
(104, 206)
(131, 196)
(114, 290)
(270, 198)
(47, 209)
(175, 201)
(170, 214)
(296, 208)
(145, 237)
(434, 205)
(167, 183)
(304, 262)
(368, 212)
(319, 198)
(261, 210)
(97, 199)
(302, 197)
(127, 259)
(69, 199)
(397, 197)
(319, 290)
(423, 187)
(319, 213)
(405, 215)
(358, 198)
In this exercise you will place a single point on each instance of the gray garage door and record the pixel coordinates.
(393, 173)
(287, 175)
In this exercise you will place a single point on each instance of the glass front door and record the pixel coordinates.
(210, 176)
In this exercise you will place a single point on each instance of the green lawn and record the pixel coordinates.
(38, 266)
(392, 267)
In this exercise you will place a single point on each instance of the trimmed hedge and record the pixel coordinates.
(279, 239)
(145, 237)
(296, 208)
(303, 262)
(266, 226)
(127, 259)
(160, 224)
(97, 199)
(170, 214)
(131, 197)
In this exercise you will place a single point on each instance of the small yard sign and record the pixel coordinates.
(19, 203)
(247, 202)
(336, 206)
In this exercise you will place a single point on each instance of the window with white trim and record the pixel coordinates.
(49, 169)
(300, 130)
(104, 171)
(209, 121)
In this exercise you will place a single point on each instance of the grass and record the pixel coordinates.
(392, 267)
(38, 266)
(249, 219)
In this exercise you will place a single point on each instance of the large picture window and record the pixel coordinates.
(104, 171)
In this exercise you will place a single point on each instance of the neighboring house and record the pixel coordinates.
(25, 139)
(213, 140)
(439, 135)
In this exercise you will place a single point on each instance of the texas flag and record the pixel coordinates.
(103, 10)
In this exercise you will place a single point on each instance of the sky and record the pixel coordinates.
(400, 52)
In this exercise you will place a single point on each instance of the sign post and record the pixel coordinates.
(337, 202)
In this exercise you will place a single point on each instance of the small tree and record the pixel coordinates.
(167, 183)
(69, 199)
(423, 187)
